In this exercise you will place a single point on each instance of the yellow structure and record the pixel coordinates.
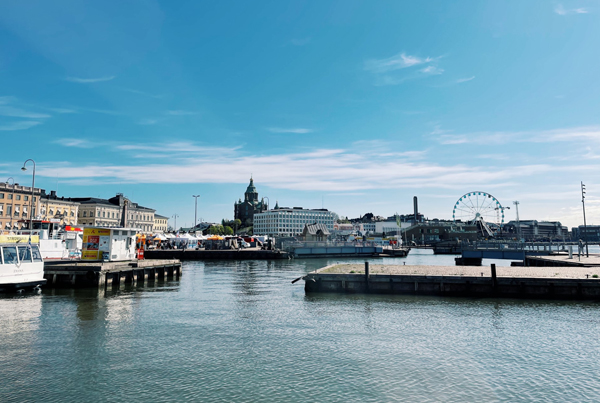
(160, 223)
(95, 242)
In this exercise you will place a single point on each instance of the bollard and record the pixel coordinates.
(570, 251)
(367, 275)
(494, 281)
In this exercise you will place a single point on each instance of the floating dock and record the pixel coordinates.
(77, 274)
(563, 259)
(463, 281)
(226, 254)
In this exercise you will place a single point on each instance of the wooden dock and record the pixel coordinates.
(464, 281)
(77, 274)
(563, 259)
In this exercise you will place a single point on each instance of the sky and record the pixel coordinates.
(353, 106)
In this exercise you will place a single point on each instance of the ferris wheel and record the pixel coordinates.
(478, 207)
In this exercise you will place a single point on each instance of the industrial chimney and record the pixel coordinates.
(416, 206)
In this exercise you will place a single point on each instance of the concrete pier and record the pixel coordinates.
(107, 274)
(464, 281)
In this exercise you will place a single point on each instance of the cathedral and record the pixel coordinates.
(245, 210)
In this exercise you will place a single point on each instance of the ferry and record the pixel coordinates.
(21, 263)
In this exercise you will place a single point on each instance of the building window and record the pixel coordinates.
(85, 213)
(18, 197)
(1, 195)
(26, 198)
(10, 196)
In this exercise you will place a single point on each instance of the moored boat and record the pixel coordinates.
(21, 264)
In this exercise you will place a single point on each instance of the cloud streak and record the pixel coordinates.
(298, 130)
(89, 80)
(560, 10)
(22, 125)
(588, 134)
(464, 80)
(399, 61)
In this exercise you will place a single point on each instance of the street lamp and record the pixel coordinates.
(195, 209)
(31, 201)
(587, 253)
(12, 207)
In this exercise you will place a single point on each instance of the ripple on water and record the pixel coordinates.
(239, 331)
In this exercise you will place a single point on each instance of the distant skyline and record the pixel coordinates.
(353, 106)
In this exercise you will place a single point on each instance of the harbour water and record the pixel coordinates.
(240, 331)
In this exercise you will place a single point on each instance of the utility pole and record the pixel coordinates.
(516, 203)
(195, 209)
(587, 252)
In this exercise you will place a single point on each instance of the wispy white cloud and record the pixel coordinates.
(89, 80)
(22, 125)
(432, 70)
(181, 113)
(560, 10)
(464, 80)
(298, 130)
(399, 61)
(62, 110)
(388, 71)
(20, 113)
(144, 93)
(76, 143)
(589, 134)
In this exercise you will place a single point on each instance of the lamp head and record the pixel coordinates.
(23, 168)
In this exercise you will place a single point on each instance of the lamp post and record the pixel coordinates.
(587, 253)
(175, 217)
(24, 168)
(195, 209)
(12, 207)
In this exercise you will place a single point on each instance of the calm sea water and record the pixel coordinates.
(241, 332)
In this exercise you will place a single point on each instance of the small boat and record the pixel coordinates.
(21, 264)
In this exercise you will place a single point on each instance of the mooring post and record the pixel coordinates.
(494, 280)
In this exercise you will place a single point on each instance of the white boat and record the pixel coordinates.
(21, 263)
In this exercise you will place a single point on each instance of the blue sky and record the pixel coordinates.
(353, 106)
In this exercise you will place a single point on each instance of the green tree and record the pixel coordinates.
(227, 230)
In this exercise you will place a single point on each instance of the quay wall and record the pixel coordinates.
(229, 254)
(458, 286)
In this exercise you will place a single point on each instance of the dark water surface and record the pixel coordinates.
(241, 332)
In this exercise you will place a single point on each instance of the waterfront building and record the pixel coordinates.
(53, 207)
(438, 230)
(15, 205)
(117, 211)
(287, 221)
(161, 223)
(536, 230)
(589, 233)
(315, 233)
(245, 210)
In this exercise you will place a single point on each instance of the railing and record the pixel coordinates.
(519, 246)
(291, 245)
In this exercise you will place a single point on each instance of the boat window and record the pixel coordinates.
(35, 253)
(24, 254)
(10, 254)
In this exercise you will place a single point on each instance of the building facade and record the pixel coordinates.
(161, 223)
(245, 210)
(53, 207)
(15, 205)
(536, 230)
(117, 211)
(290, 221)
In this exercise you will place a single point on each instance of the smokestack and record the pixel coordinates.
(416, 206)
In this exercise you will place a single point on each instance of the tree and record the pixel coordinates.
(227, 230)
